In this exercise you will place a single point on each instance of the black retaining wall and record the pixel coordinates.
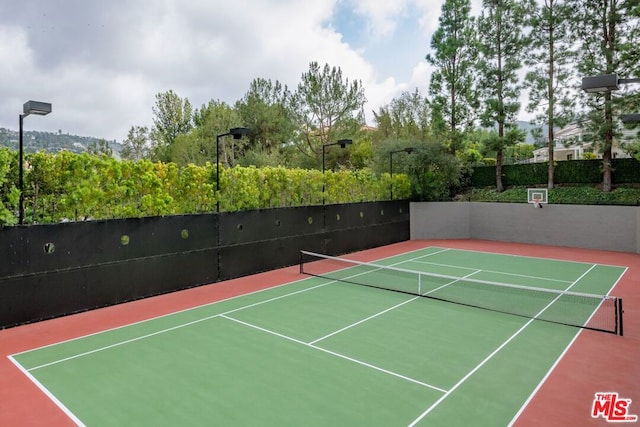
(52, 270)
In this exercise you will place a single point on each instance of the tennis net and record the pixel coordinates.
(589, 311)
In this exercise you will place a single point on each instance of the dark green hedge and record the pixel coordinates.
(624, 171)
(578, 172)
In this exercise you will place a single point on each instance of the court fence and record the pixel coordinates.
(57, 269)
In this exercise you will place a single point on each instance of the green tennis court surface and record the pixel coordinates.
(320, 352)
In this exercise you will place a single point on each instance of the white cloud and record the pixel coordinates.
(382, 16)
(101, 63)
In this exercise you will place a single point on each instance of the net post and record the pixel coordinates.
(619, 316)
(300, 254)
(419, 283)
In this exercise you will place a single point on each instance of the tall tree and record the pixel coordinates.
(199, 145)
(407, 116)
(172, 117)
(263, 109)
(136, 145)
(502, 47)
(323, 105)
(452, 84)
(608, 31)
(550, 79)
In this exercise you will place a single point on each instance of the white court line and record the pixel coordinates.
(496, 272)
(362, 321)
(490, 356)
(392, 308)
(50, 395)
(173, 328)
(333, 353)
(529, 256)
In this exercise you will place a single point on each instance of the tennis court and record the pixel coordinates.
(327, 351)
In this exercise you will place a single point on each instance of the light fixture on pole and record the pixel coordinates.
(237, 133)
(407, 150)
(604, 83)
(608, 83)
(342, 143)
(39, 109)
(630, 118)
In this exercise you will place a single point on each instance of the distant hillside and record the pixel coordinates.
(51, 142)
(54, 142)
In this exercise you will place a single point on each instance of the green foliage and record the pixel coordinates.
(578, 172)
(9, 194)
(78, 187)
(435, 172)
(136, 145)
(263, 109)
(626, 171)
(407, 116)
(531, 173)
(519, 152)
(172, 117)
(489, 161)
(361, 153)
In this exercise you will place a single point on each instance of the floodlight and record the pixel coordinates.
(599, 84)
(630, 118)
(35, 107)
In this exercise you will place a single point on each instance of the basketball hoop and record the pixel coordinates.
(537, 197)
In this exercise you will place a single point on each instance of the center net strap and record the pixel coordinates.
(591, 311)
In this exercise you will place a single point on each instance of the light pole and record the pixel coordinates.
(342, 143)
(29, 107)
(407, 150)
(237, 133)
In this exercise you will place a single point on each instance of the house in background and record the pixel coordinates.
(570, 145)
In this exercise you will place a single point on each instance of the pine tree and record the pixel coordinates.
(551, 76)
(323, 104)
(503, 46)
(452, 83)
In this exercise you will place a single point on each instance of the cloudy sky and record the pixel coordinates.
(100, 63)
